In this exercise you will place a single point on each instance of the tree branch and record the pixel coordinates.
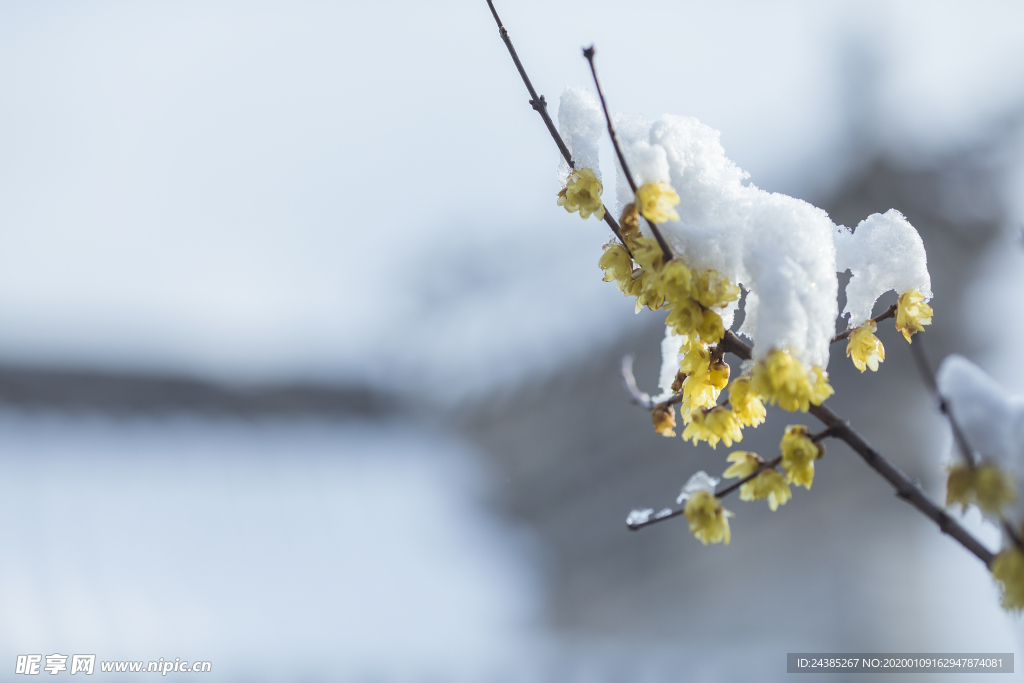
(541, 106)
(905, 488)
(925, 370)
(589, 54)
(885, 315)
(675, 512)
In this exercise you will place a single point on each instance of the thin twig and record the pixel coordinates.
(641, 398)
(925, 370)
(541, 106)
(885, 315)
(589, 54)
(771, 464)
(677, 511)
(905, 488)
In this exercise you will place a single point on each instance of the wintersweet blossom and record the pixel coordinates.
(799, 454)
(781, 378)
(722, 422)
(744, 463)
(664, 418)
(1008, 569)
(697, 428)
(617, 266)
(656, 202)
(582, 192)
(770, 485)
(865, 348)
(685, 317)
(709, 521)
(710, 328)
(747, 406)
(712, 289)
(912, 313)
(985, 485)
(718, 374)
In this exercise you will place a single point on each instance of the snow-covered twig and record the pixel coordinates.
(641, 398)
(771, 464)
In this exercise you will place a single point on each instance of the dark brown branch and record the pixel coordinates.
(541, 106)
(925, 370)
(589, 54)
(905, 488)
(885, 315)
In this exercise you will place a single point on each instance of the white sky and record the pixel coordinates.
(360, 189)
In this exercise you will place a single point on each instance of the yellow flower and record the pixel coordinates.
(912, 313)
(709, 521)
(617, 265)
(656, 202)
(710, 328)
(650, 293)
(820, 389)
(629, 224)
(582, 192)
(685, 317)
(664, 418)
(986, 486)
(1008, 569)
(647, 253)
(993, 489)
(723, 424)
(798, 455)
(713, 290)
(718, 374)
(960, 485)
(744, 463)
(748, 407)
(698, 392)
(674, 281)
(865, 348)
(697, 428)
(696, 357)
(782, 379)
(769, 484)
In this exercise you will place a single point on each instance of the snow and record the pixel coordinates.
(885, 253)
(782, 250)
(669, 364)
(700, 481)
(580, 123)
(639, 516)
(991, 419)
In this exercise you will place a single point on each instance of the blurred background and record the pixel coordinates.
(304, 373)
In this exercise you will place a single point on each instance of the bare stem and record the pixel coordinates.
(541, 106)
(885, 315)
(589, 54)
(925, 370)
